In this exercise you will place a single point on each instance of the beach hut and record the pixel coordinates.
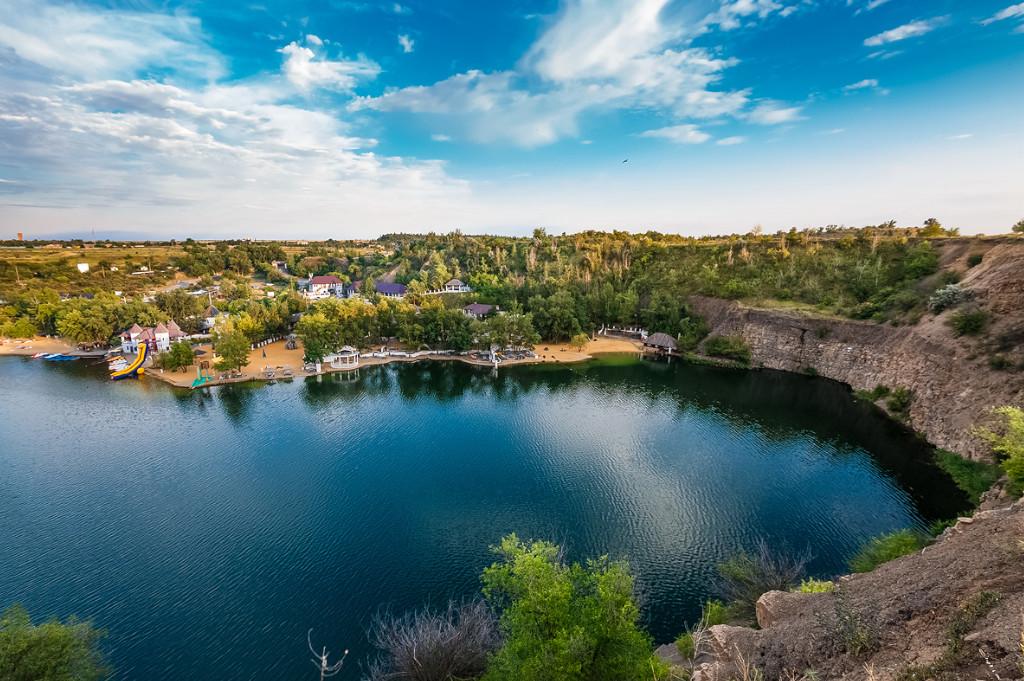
(456, 286)
(661, 343)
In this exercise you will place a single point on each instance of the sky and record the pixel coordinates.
(352, 118)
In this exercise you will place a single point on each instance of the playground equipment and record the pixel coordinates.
(135, 368)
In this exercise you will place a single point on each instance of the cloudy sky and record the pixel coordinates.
(351, 118)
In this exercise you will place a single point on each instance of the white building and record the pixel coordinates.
(159, 337)
(324, 286)
(456, 286)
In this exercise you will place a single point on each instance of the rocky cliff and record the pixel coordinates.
(953, 386)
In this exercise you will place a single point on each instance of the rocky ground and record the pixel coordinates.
(966, 590)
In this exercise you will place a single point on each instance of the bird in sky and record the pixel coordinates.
(626, 161)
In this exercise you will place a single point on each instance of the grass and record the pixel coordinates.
(973, 477)
(875, 394)
(884, 548)
(899, 402)
(729, 347)
(712, 613)
(963, 622)
(814, 586)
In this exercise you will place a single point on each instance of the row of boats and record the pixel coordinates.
(54, 356)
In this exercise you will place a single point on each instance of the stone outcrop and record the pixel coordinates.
(954, 388)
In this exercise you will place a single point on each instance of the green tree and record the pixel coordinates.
(51, 651)
(932, 228)
(178, 356)
(233, 348)
(179, 305)
(319, 335)
(564, 622)
(579, 341)
(1008, 445)
(1019, 227)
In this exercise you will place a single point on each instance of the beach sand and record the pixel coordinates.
(278, 357)
(38, 344)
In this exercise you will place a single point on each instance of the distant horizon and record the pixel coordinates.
(338, 119)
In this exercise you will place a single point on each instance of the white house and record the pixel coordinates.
(456, 286)
(159, 337)
(345, 358)
(324, 286)
(212, 317)
(478, 310)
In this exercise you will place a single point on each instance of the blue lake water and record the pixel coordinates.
(207, 531)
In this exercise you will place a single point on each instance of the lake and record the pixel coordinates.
(207, 531)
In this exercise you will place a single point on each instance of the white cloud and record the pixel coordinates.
(730, 141)
(1009, 13)
(406, 42)
(680, 134)
(314, 40)
(872, 4)
(730, 15)
(112, 43)
(774, 113)
(860, 85)
(833, 131)
(438, 137)
(400, 9)
(912, 30)
(305, 71)
(960, 137)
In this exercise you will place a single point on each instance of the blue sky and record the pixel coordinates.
(350, 118)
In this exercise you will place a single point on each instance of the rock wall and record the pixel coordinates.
(953, 390)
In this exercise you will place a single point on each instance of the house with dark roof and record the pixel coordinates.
(389, 290)
(354, 290)
(211, 317)
(479, 310)
(456, 286)
(661, 343)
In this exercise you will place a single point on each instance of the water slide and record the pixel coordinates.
(135, 367)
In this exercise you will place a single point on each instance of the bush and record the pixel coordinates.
(948, 297)
(999, 362)
(899, 402)
(562, 621)
(51, 651)
(729, 347)
(848, 630)
(974, 259)
(969, 323)
(1008, 445)
(691, 642)
(746, 577)
(434, 645)
(973, 477)
(877, 393)
(814, 586)
(884, 548)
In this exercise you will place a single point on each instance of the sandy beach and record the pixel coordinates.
(278, 357)
(38, 344)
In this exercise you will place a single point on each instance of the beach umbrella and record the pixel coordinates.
(200, 352)
(264, 353)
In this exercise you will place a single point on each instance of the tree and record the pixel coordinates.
(319, 336)
(564, 622)
(233, 348)
(1008, 445)
(1019, 227)
(932, 228)
(178, 356)
(52, 651)
(579, 341)
(179, 305)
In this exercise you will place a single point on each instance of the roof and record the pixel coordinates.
(324, 279)
(347, 349)
(453, 282)
(211, 312)
(478, 308)
(661, 340)
(147, 334)
(160, 328)
(135, 328)
(385, 287)
(174, 330)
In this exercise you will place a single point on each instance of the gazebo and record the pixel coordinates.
(345, 358)
(661, 343)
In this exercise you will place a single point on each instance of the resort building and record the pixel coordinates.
(212, 317)
(345, 358)
(159, 337)
(456, 286)
(389, 290)
(479, 310)
(324, 286)
(354, 289)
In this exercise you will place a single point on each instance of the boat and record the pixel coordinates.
(38, 355)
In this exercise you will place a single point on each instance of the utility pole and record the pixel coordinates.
(320, 659)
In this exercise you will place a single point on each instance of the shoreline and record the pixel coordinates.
(278, 357)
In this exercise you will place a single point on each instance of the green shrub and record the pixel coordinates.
(814, 586)
(685, 645)
(969, 323)
(810, 371)
(712, 613)
(848, 630)
(973, 477)
(747, 576)
(875, 394)
(899, 402)
(729, 347)
(51, 651)
(948, 297)
(884, 548)
(999, 362)
(1008, 445)
(974, 259)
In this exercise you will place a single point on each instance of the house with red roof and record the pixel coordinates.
(324, 286)
(159, 337)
